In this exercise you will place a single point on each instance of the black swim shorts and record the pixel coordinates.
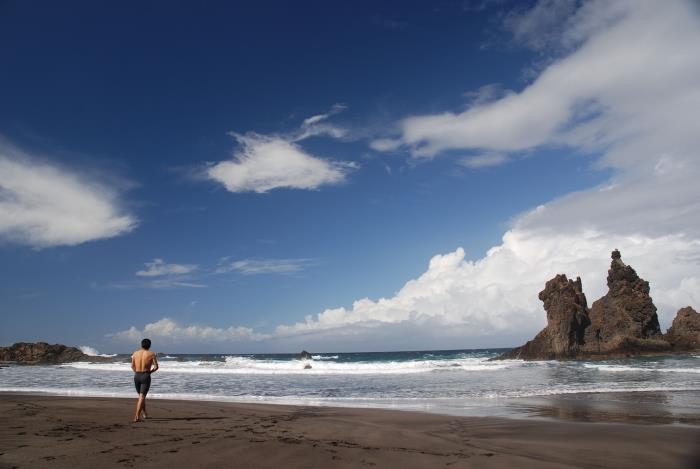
(142, 381)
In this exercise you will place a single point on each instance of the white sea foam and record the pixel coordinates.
(622, 368)
(441, 382)
(245, 365)
(87, 350)
(350, 401)
(324, 357)
(590, 390)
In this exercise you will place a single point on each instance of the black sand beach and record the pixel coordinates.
(41, 431)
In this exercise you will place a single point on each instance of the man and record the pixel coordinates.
(143, 362)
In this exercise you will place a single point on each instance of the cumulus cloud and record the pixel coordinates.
(158, 267)
(498, 294)
(267, 162)
(629, 95)
(262, 266)
(461, 303)
(44, 205)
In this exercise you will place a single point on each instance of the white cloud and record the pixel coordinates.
(158, 267)
(498, 294)
(629, 94)
(634, 72)
(167, 331)
(267, 162)
(263, 266)
(44, 205)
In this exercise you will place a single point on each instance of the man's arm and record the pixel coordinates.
(133, 364)
(154, 365)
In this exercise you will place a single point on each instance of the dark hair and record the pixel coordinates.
(146, 343)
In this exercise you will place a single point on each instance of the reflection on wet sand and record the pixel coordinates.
(638, 407)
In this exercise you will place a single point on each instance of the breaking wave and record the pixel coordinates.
(87, 350)
(252, 366)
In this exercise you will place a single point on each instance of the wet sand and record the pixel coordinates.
(46, 431)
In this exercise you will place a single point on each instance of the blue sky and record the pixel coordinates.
(212, 175)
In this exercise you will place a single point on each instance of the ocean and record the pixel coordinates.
(458, 382)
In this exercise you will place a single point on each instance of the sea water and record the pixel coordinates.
(464, 382)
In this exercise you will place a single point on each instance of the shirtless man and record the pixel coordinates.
(143, 362)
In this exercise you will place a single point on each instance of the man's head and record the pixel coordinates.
(146, 344)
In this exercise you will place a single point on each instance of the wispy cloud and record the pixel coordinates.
(313, 120)
(549, 110)
(542, 26)
(266, 162)
(263, 266)
(158, 267)
(44, 205)
(485, 160)
(160, 275)
(168, 283)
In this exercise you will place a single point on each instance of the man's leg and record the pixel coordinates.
(145, 386)
(139, 407)
(144, 414)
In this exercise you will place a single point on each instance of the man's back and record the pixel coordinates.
(142, 360)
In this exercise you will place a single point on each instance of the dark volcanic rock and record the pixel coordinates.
(684, 333)
(40, 353)
(621, 323)
(567, 319)
(304, 355)
(624, 321)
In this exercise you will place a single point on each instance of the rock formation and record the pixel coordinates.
(41, 353)
(304, 355)
(567, 319)
(684, 333)
(622, 323)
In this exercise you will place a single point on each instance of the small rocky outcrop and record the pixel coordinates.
(304, 355)
(684, 333)
(622, 323)
(41, 353)
(567, 320)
